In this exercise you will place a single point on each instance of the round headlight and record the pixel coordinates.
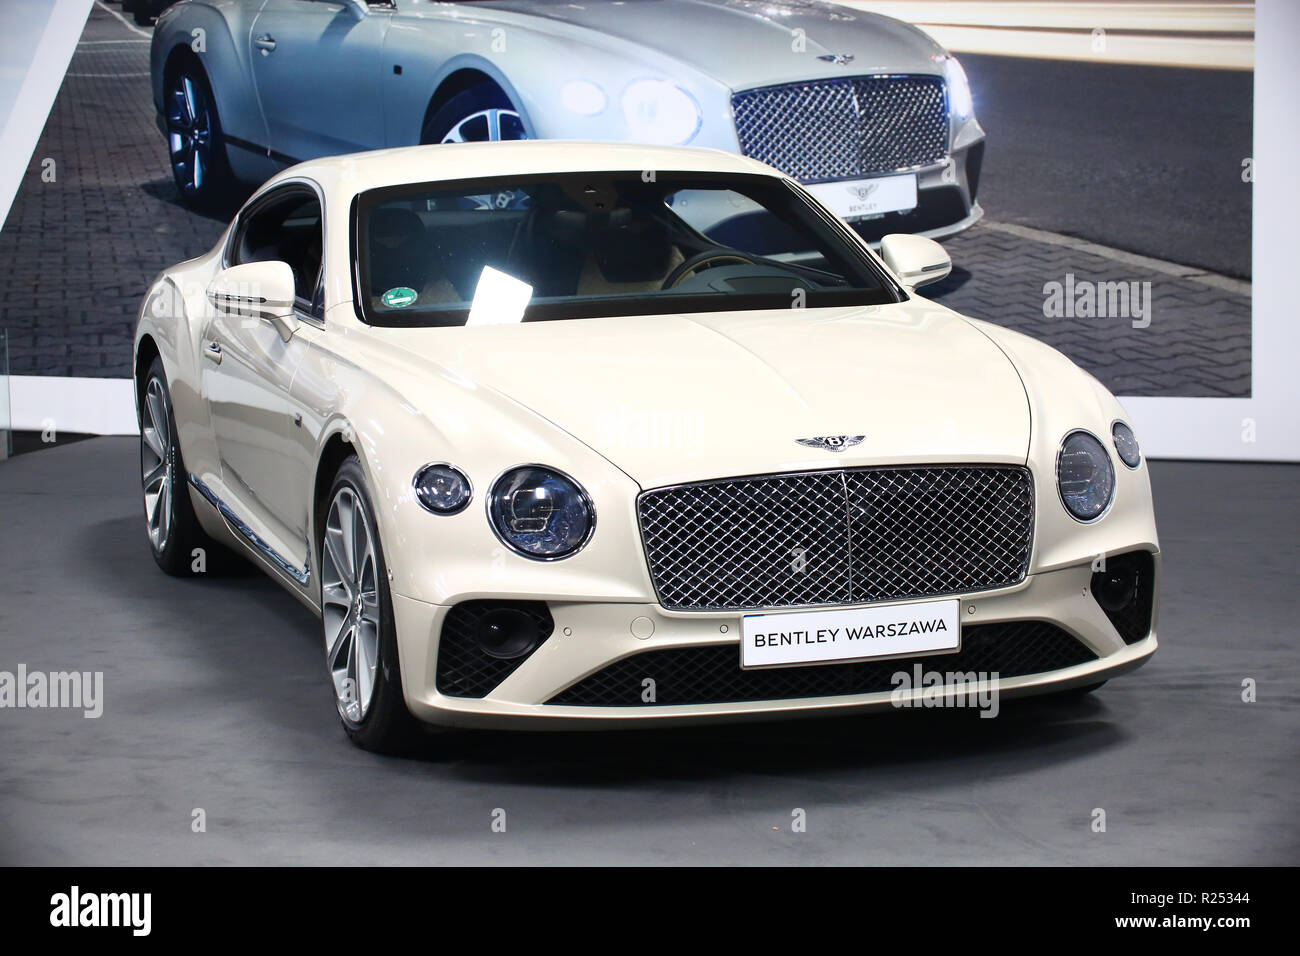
(1084, 476)
(660, 113)
(959, 98)
(540, 512)
(442, 489)
(583, 97)
(1126, 444)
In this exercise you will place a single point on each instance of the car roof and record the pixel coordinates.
(358, 172)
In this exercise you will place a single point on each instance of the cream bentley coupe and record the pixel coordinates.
(556, 434)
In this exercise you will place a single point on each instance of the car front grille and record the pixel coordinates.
(848, 536)
(712, 674)
(823, 130)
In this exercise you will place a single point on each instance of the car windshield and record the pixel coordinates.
(600, 244)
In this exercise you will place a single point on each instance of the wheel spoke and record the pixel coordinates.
(157, 412)
(150, 436)
(187, 97)
(366, 652)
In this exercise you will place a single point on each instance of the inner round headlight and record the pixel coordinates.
(1126, 445)
(1084, 476)
(660, 113)
(540, 512)
(442, 489)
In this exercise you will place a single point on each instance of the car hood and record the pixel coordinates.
(683, 397)
(746, 43)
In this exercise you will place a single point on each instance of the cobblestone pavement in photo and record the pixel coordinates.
(80, 250)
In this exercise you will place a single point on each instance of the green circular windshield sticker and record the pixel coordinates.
(399, 298)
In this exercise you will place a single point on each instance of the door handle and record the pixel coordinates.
(265, 43)
(213, 351)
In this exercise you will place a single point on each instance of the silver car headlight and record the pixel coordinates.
(960, 102)
(540, 512)
(1084, 476)
(1126, 444)
(661, 113)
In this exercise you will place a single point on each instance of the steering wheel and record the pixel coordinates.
(709, 257)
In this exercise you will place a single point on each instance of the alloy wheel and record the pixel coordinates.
(157, 463)
(189, 133)
(350, 604)
(487, 125)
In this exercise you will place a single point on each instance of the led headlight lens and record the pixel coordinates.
(1085, 476)
(540, 512)
(1126, 445)
(661, 113)
(959, 96)
(442, 489)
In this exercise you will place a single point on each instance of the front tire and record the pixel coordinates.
(176, 539)
(357, 613)
(479, 114)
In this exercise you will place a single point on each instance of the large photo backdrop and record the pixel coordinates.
(1116, 187)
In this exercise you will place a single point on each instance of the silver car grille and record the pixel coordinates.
(848, 536)
(822, 130)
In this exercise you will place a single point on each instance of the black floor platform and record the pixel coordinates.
(216, 698)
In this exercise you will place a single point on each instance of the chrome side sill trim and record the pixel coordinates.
(301, 575)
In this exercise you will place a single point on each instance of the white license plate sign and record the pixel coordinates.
(813, 637)
(859, 198)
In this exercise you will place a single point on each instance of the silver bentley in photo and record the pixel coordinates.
(869, 113)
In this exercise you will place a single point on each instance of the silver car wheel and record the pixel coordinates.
(487, 125)
(157, 464)
(189, 133)
(350, 604)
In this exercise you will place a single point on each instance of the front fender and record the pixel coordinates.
(399, 415)
(524, 64)
(1063, 398)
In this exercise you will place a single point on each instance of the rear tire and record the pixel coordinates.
(196, 145)
(357, 614)
(177, 541)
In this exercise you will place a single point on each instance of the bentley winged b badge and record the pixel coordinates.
(835, 443)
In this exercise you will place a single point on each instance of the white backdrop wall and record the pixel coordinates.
(1265, 426)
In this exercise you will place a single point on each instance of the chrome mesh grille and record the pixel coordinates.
(822, 130)
(837, 537)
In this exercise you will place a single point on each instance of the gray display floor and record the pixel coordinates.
(215, 698)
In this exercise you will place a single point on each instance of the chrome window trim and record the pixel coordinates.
(250, 207)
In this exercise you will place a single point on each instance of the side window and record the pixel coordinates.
(286, 226)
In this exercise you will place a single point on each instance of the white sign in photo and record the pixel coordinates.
(859, 198)
(811, 637)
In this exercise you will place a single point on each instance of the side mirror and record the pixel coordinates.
(257, 290)
(916, 260)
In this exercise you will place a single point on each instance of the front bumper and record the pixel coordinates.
(589, 637)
